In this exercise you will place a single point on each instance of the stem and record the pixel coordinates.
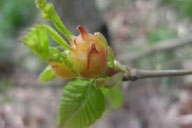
(136, 74)
(48, 12)
(157, 47)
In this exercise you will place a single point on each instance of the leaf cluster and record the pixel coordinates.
(82, 100)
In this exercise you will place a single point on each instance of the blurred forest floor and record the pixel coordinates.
(135, 25)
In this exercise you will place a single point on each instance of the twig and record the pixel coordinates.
(161, 46)
(136, 74)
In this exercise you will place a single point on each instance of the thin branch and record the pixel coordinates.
(136, 74)
(161, 46)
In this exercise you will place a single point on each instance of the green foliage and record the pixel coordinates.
(56, 37)
(46, 74)
(48, 12)
(37, 41)
(114, 96)
(182, 7)
(110, 57)
(14, 14)
(80, 104)
(160, 33)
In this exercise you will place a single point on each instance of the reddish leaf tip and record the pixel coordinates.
(82, 31)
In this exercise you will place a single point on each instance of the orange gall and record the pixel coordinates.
(87, 55)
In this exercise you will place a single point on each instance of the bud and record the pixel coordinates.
(87, 55)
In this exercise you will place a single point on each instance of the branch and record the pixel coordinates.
(161, 46)
(136, 74)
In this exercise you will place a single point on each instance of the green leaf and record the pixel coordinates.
(80, 104)
(56, 37)
(47, 74)
(48, 12)
(113, 92)
(36, 40)
(114, 97)
(110, 57)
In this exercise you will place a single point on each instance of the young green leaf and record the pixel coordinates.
(80, 104)
(113, 92)
(36, 40)
(110, 57)
(48, 12)
(56, 37)
(114, 97)
(47, 74)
